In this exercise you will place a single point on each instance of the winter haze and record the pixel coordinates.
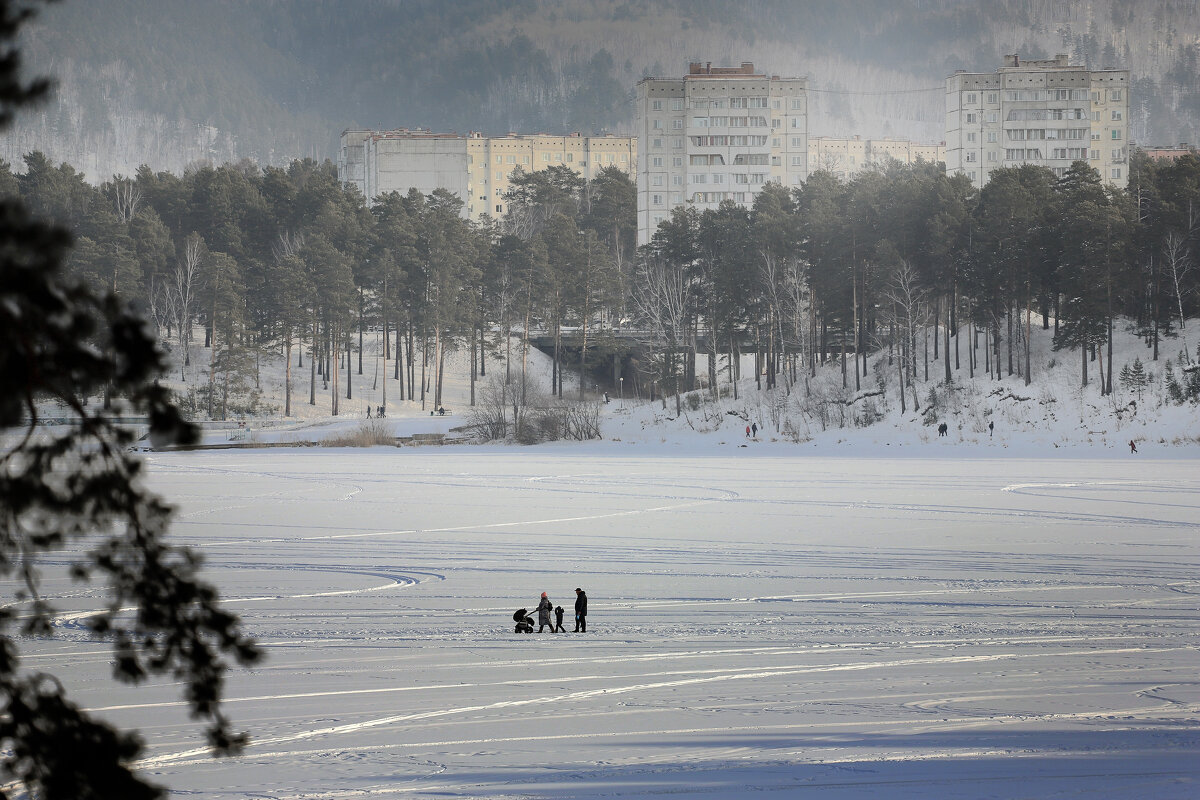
(170, 82)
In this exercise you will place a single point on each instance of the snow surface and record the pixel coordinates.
(963, 621)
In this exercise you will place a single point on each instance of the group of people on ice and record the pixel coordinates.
(546, 608)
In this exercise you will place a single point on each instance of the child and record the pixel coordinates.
(558, 615)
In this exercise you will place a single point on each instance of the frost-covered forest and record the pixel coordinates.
(903, 261)
(172, 82)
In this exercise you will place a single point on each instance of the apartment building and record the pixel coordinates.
(846, 158)
(1044, 112)
(475, 167)
(717, 133)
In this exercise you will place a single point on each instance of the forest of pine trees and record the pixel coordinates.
(904, 260)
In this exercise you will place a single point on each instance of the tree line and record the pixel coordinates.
(903, 259)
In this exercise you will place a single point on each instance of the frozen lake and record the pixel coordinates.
(826, 627)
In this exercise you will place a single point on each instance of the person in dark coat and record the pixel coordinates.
(558, 615)
(580, 611)
(544, 608)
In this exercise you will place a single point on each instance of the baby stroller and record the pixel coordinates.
(524, 621)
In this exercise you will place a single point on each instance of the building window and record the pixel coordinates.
(993, 97)
(677, 180)
(656, 105)
(498, 175)
(796, 122)
(656, 199)
(546, 157)
(718, 178)
(797, 141)
(1114, 95)
(992, 116)
(797, 104)
(524, 159)
(972, 119)
(656, 124)
(1116, 172)
(570, 157)
(657, 180)
(775, 104)
(656, 143)
(774, 123)
(558, 156)
(776, 143)
(971, 155)
(1118, 154)
(677, 104)
(677, 123)
(1116, 134)
(992, 155)
(1117, 114)
(624, 158)
(991, 136)
(499, 209)
(797, 161)
(971, 136)
(775, 162)
(499, 159)
(656, 161)
(511, 159)
(970, 98)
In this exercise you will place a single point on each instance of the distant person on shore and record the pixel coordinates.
(580, 610)
(1132, 446)
(558, 615)
(991, 427)
(747, 431)
(544, 608)
(753, 430)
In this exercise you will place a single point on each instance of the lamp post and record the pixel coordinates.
(622, 379)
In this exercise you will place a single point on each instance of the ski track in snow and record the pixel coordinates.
(779, 625)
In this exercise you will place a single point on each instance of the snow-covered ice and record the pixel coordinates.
(762, 619)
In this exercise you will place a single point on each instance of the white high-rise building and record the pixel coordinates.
(1045, 112)
(718, 133)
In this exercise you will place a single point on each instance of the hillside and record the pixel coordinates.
(172, 82)
(1052, 412)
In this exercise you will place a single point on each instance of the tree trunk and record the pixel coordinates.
(287, 373)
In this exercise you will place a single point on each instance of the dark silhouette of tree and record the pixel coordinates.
(75, 491)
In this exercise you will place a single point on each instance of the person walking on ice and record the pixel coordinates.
(580, 610)
(544, 608)
(558, 615)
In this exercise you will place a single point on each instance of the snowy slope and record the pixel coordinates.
(1053, 412)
